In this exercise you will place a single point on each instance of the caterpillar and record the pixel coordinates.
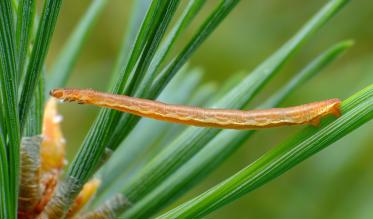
(310, 113)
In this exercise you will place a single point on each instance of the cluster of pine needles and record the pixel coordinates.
(130, 167)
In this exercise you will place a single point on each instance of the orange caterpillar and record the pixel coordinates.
(218, 118)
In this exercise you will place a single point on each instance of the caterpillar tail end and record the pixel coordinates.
(335, 110)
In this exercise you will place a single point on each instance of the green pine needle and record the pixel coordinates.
(194, 139)
(9, 110)
(356, 110)
(66, 60)
(154, 162)
(223, 145)
(39, 52)
(143, 90)
(25, 22)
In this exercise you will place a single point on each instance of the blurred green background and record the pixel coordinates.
(336, 183)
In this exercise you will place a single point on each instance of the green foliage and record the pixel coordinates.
(39, 51)
(126, 156)
(356, 110)
(66, 60)
(9, 110)
(208, 26)
(222, 146)
(25, 22)
(145, 90)
(35, 117)
(154, 163)
(150, 34)
(15, 43)
(194, 139)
